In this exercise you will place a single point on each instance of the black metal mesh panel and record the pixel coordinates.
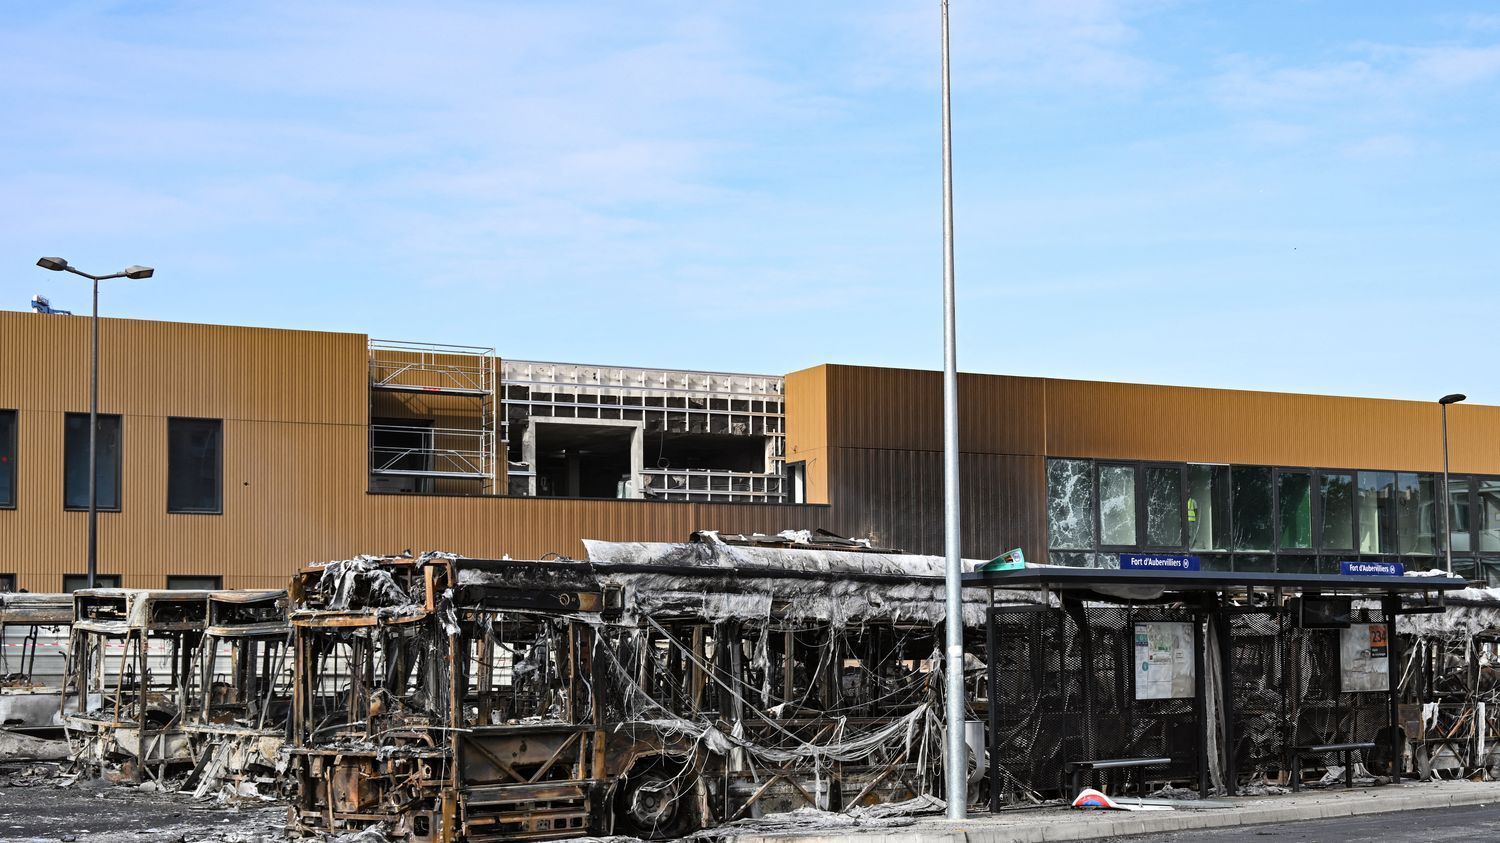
(1065, 691)
(1256, 695)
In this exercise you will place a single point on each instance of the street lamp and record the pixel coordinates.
(956, 784)
(1447, 502)
(136, 273)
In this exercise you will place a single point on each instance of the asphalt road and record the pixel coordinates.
(1473, 822)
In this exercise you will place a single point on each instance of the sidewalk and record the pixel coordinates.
(1044, 825)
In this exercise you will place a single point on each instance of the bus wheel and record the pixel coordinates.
(652, 802)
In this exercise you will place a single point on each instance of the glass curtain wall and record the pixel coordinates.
(1336, 505)
(1416, 514)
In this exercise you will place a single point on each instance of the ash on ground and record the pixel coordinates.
(39, 803)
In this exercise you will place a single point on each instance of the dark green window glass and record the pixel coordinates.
(1336, 500)
(1252, 507)
(1294, 496)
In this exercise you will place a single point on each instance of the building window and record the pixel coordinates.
(1252, 507)
(1208, 507)
(1487, 506)
(194, 583)
(1164, 506)
(74, 582)
(7, 583)
(1377, 512)
(1416, 510)
(1070, 504)
(1294, 509)
(796, 475)
(1117, 505)
(194, 465)
(1460, 523)
(1336, 511)
(7, 459)
(76, 461)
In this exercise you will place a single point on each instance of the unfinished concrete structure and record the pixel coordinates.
(619, 432)
(651, 690)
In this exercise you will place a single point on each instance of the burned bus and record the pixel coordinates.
(129, 676)
(33, 652)
(650, 691)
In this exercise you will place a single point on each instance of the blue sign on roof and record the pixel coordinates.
(1158, 562)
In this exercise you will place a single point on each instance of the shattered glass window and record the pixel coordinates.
(1294, 496)
(1336, 501)
(1070, 504)
(1163, 506)
(1252, 508)
(1416, 513)
(1116, 505)
(1208, 507)
(1377, 512)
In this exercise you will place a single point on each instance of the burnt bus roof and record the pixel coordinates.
(37, 609)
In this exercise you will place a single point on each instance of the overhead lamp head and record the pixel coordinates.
(1452, 399)
(54, 264)
(139, 272)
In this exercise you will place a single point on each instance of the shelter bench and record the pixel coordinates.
(1076, 769)
(1344, 749)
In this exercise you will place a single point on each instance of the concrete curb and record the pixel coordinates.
(1059, 826)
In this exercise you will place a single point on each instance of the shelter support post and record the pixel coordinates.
(991, 657)
(1200, 700)
(1391, 608)
(1228, 705)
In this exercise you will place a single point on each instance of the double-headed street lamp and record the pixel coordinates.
(1447, 501)
(134, 272)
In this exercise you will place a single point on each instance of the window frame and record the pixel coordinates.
(114, 581)
(218, 467)
(8, 583)
(1142, 495)
(1137, 506)
(218, 580)
(119, 464)
(10, 464)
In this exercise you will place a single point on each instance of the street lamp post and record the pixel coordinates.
(956, 779)
(1447, 502)
(132, 272)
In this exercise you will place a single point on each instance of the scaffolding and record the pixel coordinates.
(662, 403)
(428, 382)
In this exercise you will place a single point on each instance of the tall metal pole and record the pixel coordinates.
(957, 766)
(94, 441)
(1447, 501)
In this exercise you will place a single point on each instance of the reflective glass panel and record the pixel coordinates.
(1336, 500)
(1459, 523)
(1488, 516)
(1208, 507)
(1416, 512)
(1070, 504)
(1252, 508)
(1377, 512)
(1164, 506)
(1116, 505)
(1294, 497)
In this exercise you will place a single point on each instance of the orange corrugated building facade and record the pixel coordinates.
(1074, 471)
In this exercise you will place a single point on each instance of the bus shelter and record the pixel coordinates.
(1202, 679)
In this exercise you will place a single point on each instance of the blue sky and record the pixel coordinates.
(1292, 196)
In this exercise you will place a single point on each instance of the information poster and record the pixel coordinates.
(1163, 660)
(1364, 658)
